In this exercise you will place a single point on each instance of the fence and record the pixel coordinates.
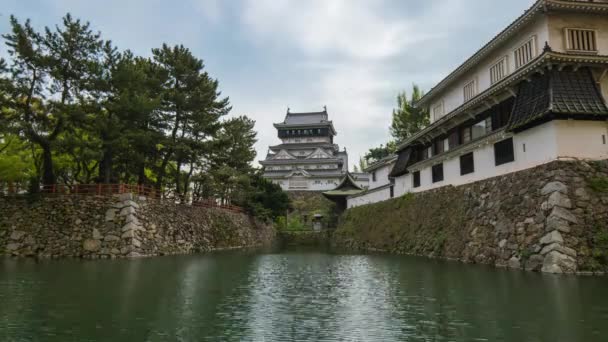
(117, 189)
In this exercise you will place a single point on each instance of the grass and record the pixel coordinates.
(599, 184)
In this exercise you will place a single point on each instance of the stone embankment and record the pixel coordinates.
(120, 226)
(552, 218)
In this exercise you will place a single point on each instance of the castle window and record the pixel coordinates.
(581, 40)
(466, 135)
(478, 130)
(499, 70)
(437, 173)
(470, 90)
(438, 110)
(467, 164)
(416, 179)
(374, 176)
(503, 152)
(525, 53)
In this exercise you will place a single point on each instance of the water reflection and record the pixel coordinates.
(294, 296)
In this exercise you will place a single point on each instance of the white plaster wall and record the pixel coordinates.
(561, 21)
(381, 176)
(453, 97)
(582, 139)
(371, 197)
(543, 144)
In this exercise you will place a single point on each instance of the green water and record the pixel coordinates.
(294, 296)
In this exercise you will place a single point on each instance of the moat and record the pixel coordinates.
(298, 295)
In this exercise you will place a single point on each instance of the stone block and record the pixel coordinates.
(556, 223)
(129, 203)
(552, 187)
(11, 247)
(560, 200)
(560, 248)
(17, 235)
(553, 237)
(581, 194)
(111, 238)
(136, 243)
(91, 245)
(29, 240)
(556, 262)
(131, 226)
(514, 263)
(502, 243)
(534, 263)
(125, 197)
(132, 219)
(110, 215)
(96, 234)
(563, 214)
(129, 234)
(127, 211)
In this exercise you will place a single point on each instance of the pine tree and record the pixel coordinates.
(407, 118)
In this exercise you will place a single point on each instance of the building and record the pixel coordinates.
(381, 185)
(534, 94)
(307, 158)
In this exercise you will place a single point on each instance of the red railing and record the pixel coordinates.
(117, 189)
(101, 189)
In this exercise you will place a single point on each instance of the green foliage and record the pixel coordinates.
(74, 109)
(599, 184)
(407, 118)
(377, 153)
(600, 247)
(289, 224)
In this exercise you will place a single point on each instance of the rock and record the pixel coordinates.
(110, 238)
(553, 187)
(560, 248)
(78, 222)
(552, 237)
(125, 197)
(556, 223)
(29, 240)
(131, 226)
(130, 203)
(136, 243)
(502, 243)
(581, 194)
(127, 211)
(129, 234)
(134, 255)
(11, 247)
(91, 245)
(110, 215)
(514, 263)
(556, 262)
(17, 235)
(132, 219)
(115, 251)
(534, 263)
(560, 200)
(563, 214)
(96, 234)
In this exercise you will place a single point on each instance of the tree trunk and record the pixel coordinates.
(48, 175)
(105, 166)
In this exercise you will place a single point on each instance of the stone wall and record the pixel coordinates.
(121, 226)
(552, 218)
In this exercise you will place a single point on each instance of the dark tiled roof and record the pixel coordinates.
(303, 145)
(557, 94)
(306, 118)
(402, 163)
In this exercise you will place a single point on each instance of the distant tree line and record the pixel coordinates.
(75, 109)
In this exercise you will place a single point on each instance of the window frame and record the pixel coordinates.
(416, 179)
(472, 164)
(568, 43)
(533, 53)
(437, 114)
(437, 174)
(501, 160)
(473, 90)
(506, 70)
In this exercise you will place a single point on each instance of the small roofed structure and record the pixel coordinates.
(347, 187)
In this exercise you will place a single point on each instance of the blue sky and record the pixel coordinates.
(353, 56)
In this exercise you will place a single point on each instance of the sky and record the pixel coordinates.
(353, 56)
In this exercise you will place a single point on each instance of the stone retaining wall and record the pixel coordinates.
(121, 226)
(552, 218)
